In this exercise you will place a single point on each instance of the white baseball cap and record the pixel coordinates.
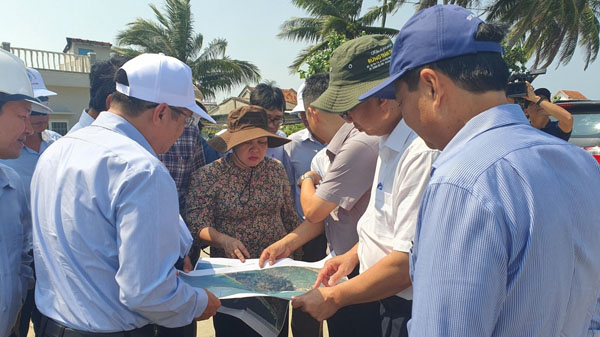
(159, 79)
(37, 83)
(300, 106)
(15, 84)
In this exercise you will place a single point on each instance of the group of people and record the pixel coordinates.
(449, 213)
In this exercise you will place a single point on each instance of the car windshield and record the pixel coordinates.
(586, 124)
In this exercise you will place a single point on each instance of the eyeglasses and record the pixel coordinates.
(189, 119)
(275, 121)
(344, 115)
(35, 113)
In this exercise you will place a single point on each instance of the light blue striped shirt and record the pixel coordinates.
(508, 239)
(15, 271)
(107, 232)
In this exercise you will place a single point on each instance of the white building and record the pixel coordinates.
(67, 74)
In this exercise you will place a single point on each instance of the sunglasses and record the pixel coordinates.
(189, 119)
(35, 113)
(344, 115)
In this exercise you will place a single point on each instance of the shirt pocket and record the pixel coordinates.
(383, 226)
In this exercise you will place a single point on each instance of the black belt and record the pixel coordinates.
(49, 328)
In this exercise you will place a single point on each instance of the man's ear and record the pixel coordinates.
(314, 115)
(432, 84)
(107, 101)
(159, 113)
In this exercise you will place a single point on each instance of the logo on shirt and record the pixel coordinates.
(380, 186)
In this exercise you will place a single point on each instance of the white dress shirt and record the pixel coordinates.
(401, 177)
(84, 120)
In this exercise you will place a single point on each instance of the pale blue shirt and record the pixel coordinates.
(107, 233)
(25, 163)
(84, 120)
(299, 154)
(15, 271)
(508, 238)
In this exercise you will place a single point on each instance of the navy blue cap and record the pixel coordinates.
(433, 34)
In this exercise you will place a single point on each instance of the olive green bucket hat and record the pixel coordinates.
(357, 66)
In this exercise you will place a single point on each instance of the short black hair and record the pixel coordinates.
(131, 106)
(543, 92)
(314, 87)
(102, 81)
(267, 96)
(477, 73)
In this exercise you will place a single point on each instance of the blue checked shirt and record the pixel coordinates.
(508, 239)
(184, 158)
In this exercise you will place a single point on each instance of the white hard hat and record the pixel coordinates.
(14, 82)
(38, 85)
(300, 106)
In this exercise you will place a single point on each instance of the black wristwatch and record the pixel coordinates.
(540, 100)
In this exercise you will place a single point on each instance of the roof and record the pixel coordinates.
(289, 95)
(71, 40)
(571, 94)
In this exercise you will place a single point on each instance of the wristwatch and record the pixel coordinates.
(304, 176)
(542, 98)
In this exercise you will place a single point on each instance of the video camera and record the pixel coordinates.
(516, 82)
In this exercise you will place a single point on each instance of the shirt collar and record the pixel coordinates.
(399, 138)
(306, 135)
(339, 138)
(5, 179)
(118, 124)
(495, 117)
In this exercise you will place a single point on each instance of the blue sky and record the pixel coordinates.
(250, 27)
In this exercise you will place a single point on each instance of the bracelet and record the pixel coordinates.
(304, 176)
(540, 100)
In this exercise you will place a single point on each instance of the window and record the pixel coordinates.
(84, 51)
(59, 127)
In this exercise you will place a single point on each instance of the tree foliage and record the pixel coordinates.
(327, 17)
(173, 35)
(318, 61)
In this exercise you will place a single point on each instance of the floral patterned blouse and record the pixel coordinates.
(254, 206)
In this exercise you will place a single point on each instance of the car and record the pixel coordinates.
(586, 124)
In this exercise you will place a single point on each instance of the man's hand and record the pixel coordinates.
(318, 303)
(316, 178)
(211, 307)
(277, 250)
(187, 264)
(235, 249)
(336, 268)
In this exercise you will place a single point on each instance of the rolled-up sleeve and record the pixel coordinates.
(148, 240)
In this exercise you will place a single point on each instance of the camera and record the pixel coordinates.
(516, 82)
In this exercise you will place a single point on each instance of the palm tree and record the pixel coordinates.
(546, 29)
(329, 16)
(173, 35)
(551, 29)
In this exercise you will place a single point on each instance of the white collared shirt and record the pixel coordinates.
(84, 120)
(401, 176)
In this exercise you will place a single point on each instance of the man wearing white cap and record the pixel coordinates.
(16, 101)
(107, 230)
(24, 165)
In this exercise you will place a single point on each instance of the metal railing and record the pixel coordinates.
(48, 60)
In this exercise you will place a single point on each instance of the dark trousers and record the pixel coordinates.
(303, 325)
(355, 320)
(184, 331)
(229, 326)
(395, 313)
(50, 328)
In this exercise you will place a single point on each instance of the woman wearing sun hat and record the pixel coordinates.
(242, 203)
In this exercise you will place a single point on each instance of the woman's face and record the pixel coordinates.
(252, 152)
